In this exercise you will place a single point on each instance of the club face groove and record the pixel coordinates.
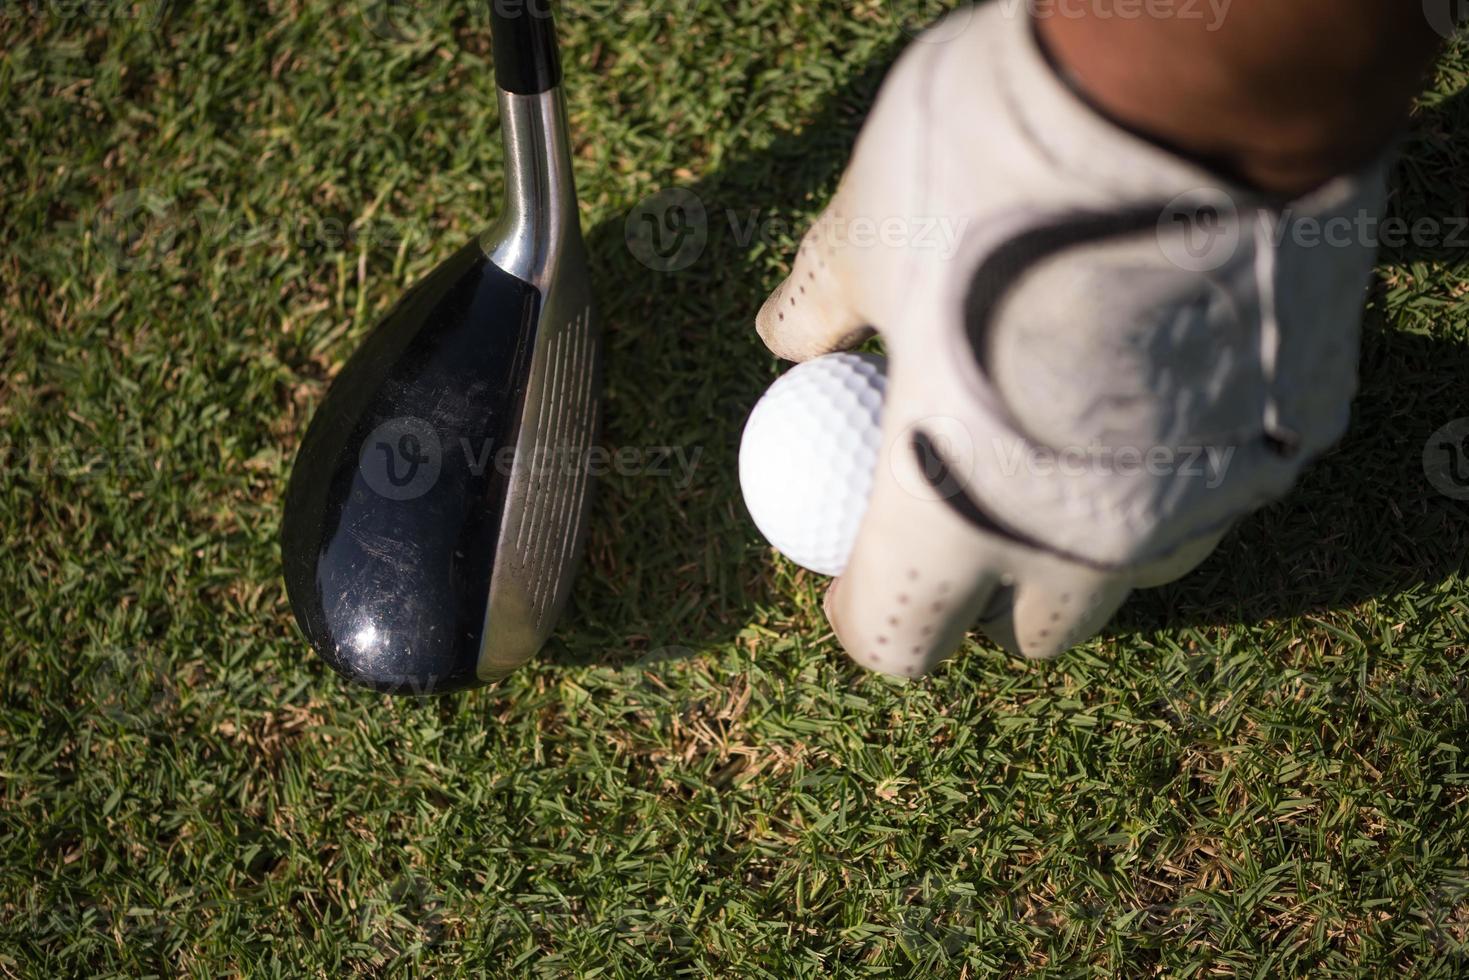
(548, 493)
(438, 504)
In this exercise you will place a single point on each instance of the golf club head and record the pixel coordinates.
(438, 503)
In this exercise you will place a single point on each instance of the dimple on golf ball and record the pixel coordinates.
(808, 455)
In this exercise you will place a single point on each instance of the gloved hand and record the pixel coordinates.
(1100, 355)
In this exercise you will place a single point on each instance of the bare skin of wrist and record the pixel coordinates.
(1281, 96)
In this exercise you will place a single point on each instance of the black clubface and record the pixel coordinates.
(396, 502)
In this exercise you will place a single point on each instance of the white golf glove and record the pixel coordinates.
(1100, 355)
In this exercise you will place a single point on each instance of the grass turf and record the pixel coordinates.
(1258, 771)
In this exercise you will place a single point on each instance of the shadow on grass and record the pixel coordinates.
(1363, 522)
(1430, 187)
(677, 569)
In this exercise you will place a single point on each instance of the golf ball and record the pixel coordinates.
(808, 454)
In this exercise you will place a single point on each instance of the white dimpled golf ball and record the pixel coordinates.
(808, 455)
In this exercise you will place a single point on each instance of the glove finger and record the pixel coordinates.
(813, 312)
(916, 580)
(1057, 605)
(1178, 564)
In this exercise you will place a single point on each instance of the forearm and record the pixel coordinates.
(1279, 95)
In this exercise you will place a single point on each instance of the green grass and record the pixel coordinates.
(1258, 771)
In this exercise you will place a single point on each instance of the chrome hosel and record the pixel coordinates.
(539, 218)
